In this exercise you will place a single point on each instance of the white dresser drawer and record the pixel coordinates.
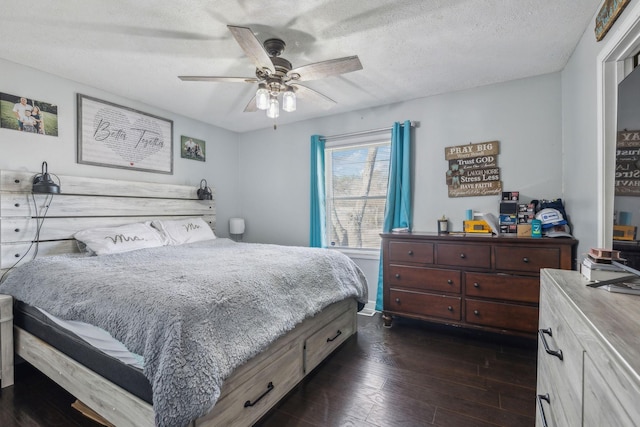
(557, 337)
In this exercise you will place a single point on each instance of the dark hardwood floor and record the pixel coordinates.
(413, 374)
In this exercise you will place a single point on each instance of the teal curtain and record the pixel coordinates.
(397, 212)
(317, 227)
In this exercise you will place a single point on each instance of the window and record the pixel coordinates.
(356, 178)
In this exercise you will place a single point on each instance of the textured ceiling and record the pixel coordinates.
(408, 48)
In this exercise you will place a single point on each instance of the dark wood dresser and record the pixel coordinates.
(487, 283)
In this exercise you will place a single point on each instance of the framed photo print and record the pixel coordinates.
(28, 115)
(115, 136)
(192, 148)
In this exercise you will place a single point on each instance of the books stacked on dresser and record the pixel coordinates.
(605, 269)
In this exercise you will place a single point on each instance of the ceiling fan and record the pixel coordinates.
(276, 76)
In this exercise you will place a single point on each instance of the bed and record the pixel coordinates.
(186, 373)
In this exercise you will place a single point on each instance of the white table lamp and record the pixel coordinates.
(236, 226)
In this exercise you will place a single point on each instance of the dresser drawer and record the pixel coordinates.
(443, 306)
(526, 259)
(502, 315)
(503, 286)
(424, 278)
(327, 339)
(416, 252)
(560, 378)
(464, 255)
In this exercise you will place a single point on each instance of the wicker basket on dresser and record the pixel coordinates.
(486, 283)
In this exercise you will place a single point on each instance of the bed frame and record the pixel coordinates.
(247, 395)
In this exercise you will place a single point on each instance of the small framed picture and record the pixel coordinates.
(192, 148)
(28, 115)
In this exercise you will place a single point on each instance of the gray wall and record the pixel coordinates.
(24, 151)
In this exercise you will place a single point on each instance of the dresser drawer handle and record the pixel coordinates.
(450, 308)
(476, 312)
(476, 285)
(397, 275)
(557, 353)
(17, 205)
(450, 282)
(525, 260)
(17, 230)
(335, 337)
(539, 399)
(249, 403)
(463, 256)
(410, 253)
(397, 300)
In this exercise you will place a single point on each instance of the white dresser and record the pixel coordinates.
(588, 354)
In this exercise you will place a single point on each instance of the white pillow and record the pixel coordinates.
(112, 240)
(188, 230)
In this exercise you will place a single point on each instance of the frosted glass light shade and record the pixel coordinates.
(274, 108)
(262, 97)
(236, 226)
(289, 101)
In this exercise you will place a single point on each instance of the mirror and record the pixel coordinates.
(626, 202)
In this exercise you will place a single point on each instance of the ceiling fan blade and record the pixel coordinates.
(312, 95)
(332, 67)
(252, 47)
(251, 106)
(218, 79)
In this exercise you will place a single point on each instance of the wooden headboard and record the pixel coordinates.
(82, 203)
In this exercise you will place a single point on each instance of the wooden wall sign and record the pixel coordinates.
(627, 177)
(473, 169)
(609, 12)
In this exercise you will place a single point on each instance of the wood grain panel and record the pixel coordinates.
(526, 258)
(442, 306)
(502, 315)
(6, 341)
(21, 182)
(470, 255)
(116, 405)
(21, 205)
(430, 279)
(502, 286)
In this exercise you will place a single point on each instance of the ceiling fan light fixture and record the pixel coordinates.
(262, 97)
(289, 101)
(274, 108)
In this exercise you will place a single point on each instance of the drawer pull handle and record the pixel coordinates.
(449, 281)
(17, 205)
(397, 275)
(335, 337)
(525, 260)
(249, 403)
(17, 181)
(410, 253)
(17, 255)
(476, 285)
(450, 308)
(540, 398)
(463, 256)
(397, 300)
(476, 312)
(557, 353)
(17, 230)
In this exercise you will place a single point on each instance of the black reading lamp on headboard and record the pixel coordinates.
(42, 183)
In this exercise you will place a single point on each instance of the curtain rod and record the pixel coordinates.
(364, 132)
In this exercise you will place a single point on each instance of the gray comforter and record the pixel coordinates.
(195, 312)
